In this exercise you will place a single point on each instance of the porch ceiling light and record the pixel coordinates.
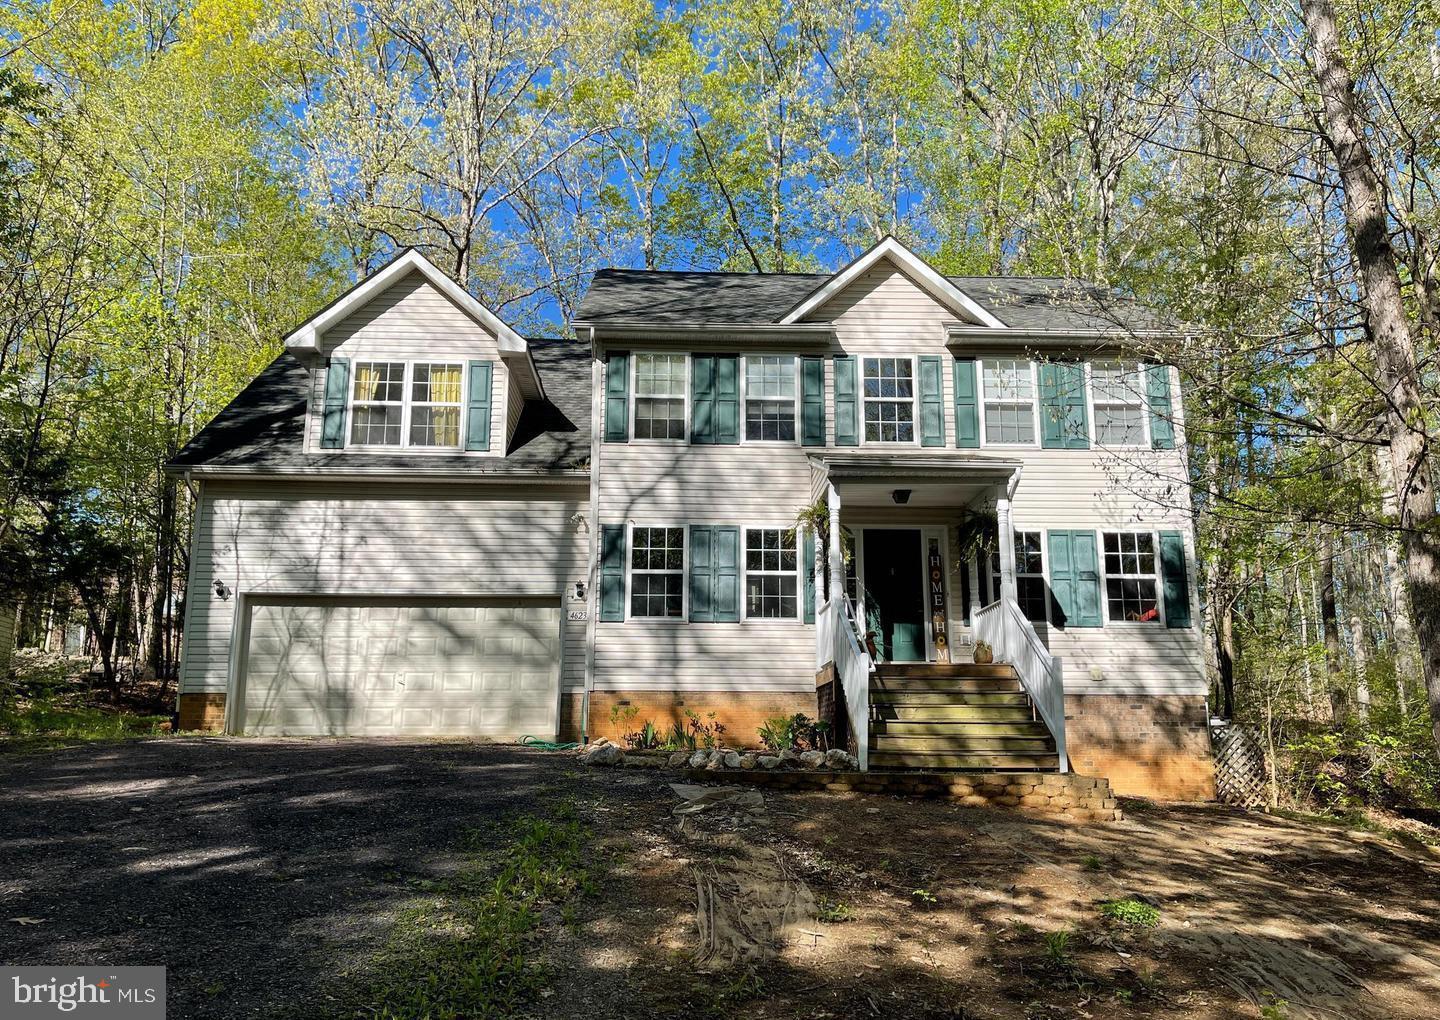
(901, 496)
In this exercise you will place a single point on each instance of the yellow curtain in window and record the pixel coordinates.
(445, 384)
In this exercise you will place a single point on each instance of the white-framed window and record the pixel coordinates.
(393, 403)
(772, 574)
(657, 573)
(1029, 574)
(377, 404)
(1118, 394)
(770, 392)
(1008, 386)
(889, 394)
(659, 403)
(435, 404)
(1131, 585)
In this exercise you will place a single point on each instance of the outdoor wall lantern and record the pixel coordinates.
(222, 591)
(579, 591)
(900, 496)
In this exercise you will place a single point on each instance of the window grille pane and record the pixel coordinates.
(771, 596)
(436, 384)
(770, 377)
(435, 426)
(376, 425)
(659, 418)
(380, 381)
(1119, 426)
(772, 420)
(660, 375)
(659, 595)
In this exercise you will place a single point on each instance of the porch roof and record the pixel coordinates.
(933, 480)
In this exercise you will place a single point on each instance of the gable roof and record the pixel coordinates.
(307, 335)
(688, 297)
(913, 266)
(262, 431)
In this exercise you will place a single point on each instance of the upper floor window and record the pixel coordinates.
(657, 572)
(381, 414)
(1118, 388)
(770, 398)
(660, 396)
(1130, 575)
(772, 578)
(1009, 388)
(889, 400)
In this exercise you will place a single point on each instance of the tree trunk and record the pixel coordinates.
(1384, 309)
(1330, 627)
(1225, 653)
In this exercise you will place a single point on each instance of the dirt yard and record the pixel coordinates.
(268, 875)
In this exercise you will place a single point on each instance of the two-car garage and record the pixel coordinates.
(352, 666)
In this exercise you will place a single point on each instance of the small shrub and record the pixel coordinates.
(1131, 912)
(924, 897)
(647, 738)
(1090, 863)
(1057, 949)
(679, 739)
(796, 732)
(774, 733)
(705, 732)
(834, 912)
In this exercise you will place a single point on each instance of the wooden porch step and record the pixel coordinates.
(952, 670)
(891, 685)
(994, 699)
(940, 727)
(1004, 729)
(998, 761)
(962, 713)
(1036, 744)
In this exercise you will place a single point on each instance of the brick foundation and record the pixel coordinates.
(1146, 745)
(202, 711)
(1070, 797)
(741, 712)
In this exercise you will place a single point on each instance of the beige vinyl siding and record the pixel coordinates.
(412, 321)
(882, 313)
(8, 616)
(514, 404)
(391, 540)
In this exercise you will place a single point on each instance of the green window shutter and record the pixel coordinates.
(715, 399)
(847, 402)
(477, 413)
(714, 574)
(337, 390)
(967, 406)
(725, 588)
(617, 397)
(1074, 579)
(702, 399)
(932, 401)
(812, 401)
(1175, 578)
(1064, 422)
(612, 573)
(1162, 427)
(807, 573)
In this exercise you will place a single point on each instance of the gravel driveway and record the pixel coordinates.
(250, 868)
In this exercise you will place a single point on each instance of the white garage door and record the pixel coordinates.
(474, 669)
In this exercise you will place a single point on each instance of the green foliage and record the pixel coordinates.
(1131, 912)
(1363, 765)
(794, 732)
(704, 732)
(47, 704)
(646, 738)
(834, 912)
(1057, 949)
(465, 951)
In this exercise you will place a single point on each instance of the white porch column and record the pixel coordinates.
(1007, 547)
(837, 554)
(816, 566)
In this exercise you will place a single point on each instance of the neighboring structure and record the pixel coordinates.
(8, 617)
(417, 522)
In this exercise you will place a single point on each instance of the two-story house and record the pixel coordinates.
(739, 494)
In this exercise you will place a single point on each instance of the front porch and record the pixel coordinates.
(899, 614)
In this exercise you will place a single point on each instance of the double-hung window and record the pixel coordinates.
(889, 400)
(1119, 394)
(770, 398)
(1130, 584)
(660, 396)
(657, 573)
(1009, 388)
(1029, 574)
(435, 405)
(378, 404)
(772, 576)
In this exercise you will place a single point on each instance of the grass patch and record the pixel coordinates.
(47, 723)
(1131, 912)
(466, 951)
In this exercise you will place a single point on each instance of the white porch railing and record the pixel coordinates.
(835, 635)
(1012, 638)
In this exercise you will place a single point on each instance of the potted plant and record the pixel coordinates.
(984, 654)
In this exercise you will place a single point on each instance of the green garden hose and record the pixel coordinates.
(545, 745)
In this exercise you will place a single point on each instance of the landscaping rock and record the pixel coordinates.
(812, 759)
(604, 754)
(840, 761)
(768, 761)
(715, 761)
(698, 759)
(747, 761)
(731, 760)
(678, 758)
(789, 755)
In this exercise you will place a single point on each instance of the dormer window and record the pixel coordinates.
(395, 404)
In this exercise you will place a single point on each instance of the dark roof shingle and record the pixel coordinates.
(263, 428)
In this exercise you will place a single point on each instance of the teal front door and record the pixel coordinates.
(895, 592)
